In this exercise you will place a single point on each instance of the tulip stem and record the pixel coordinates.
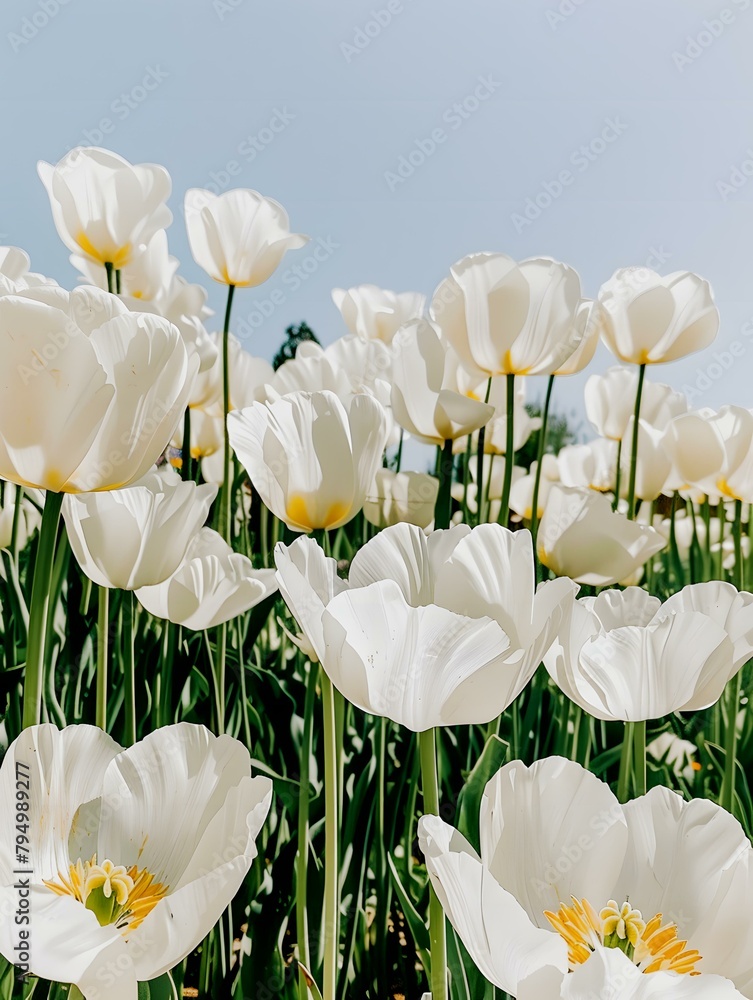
(40, 599)
(110, 277)
(331, 843)
(16, 521)
(617, 476)
(302, 855)
(103, 637)
(430, 785)
(541, 447)
(443, 509)
(129, 668)
(504, 510)
(639, 757)
(185, 451)
(732, 694)
(227, 486)
(480, 462)
(634, 445)
(623, 782)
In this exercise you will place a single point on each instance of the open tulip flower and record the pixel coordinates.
(211, 585)
(652, 318)
(713, 452)
(91, 392)
(239, 237)
(566, 875)
(311, 460)
(104, 207)
(581, 537)
(626, 656)
(374, 313)
(505, 318)
(136, 537)
(133, 854)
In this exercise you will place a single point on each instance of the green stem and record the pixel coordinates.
(732, 693)
(302, 855)
(639, 757)
(541, 447)
(382, 876)
(443, 508)
(399, 459)
(171, 646)
(219, 677)
(504, 510)
(480, 462)
(623, 782)
(331, 843)
(437, 933)
(634, 447)
(185, 452)
(617, 476)
(117, 281)
(707, 568)
(103, 638)
(110, 277)
(16, 521)
(227, 485)
(40, 597)
(721, 515)
(129, 668)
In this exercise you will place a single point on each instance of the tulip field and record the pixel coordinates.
(291, 707)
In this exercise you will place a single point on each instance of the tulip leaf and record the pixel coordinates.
(418, 928)
(466, 982)
(492, 758)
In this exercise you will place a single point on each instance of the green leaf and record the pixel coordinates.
(418, 928)
(491, 760)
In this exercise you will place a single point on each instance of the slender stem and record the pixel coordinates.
(504, 510)
(110, 277)
(117, 281)
(219, 677)
(480, 462)
(103, 639)
(227, 485)
(171, 646)
(539, 458)
(399, 459)
(443, 508)
(302, 855)
(185, 452)
(639, 757)
(623, 782)
(383, 882)
(732, 693)
(617, 476)
(707, 568)
(40, 598)
(17, 506)
(129, 668)
(634, 447)
(331, 843)
(437, 933)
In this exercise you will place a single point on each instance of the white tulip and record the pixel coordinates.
(508, 318)
(610, 402)
(105, 207)
(592, 465)
(581, 537)
(588, 322)
(713, 451)
(211, 585)
(394, 497)
(374, 313)
(239, 237)
(248, 374)
(138, 536)
(311, 460)
(652, 318)
(559, 860)
(170, 822)
(653, 466)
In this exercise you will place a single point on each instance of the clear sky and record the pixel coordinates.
(640, 110)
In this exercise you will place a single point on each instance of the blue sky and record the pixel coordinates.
(640, 110)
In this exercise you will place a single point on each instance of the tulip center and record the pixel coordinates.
(115, 894)
(653, 946)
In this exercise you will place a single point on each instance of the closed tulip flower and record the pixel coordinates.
(581, 537)
(652, 318)
(134, 854)
(311, 460)
(105, 207)
(374, 313)
(592, 465)
(211, 585)
(137, 536)
(248, 376)
(713, 451)
(575, 896)
(396, 497)
(653, 465)
(588, 322)
(610, 402)
(625, 656)
(507, 318)
(426, 398)
(239, 237)
(91, 392)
